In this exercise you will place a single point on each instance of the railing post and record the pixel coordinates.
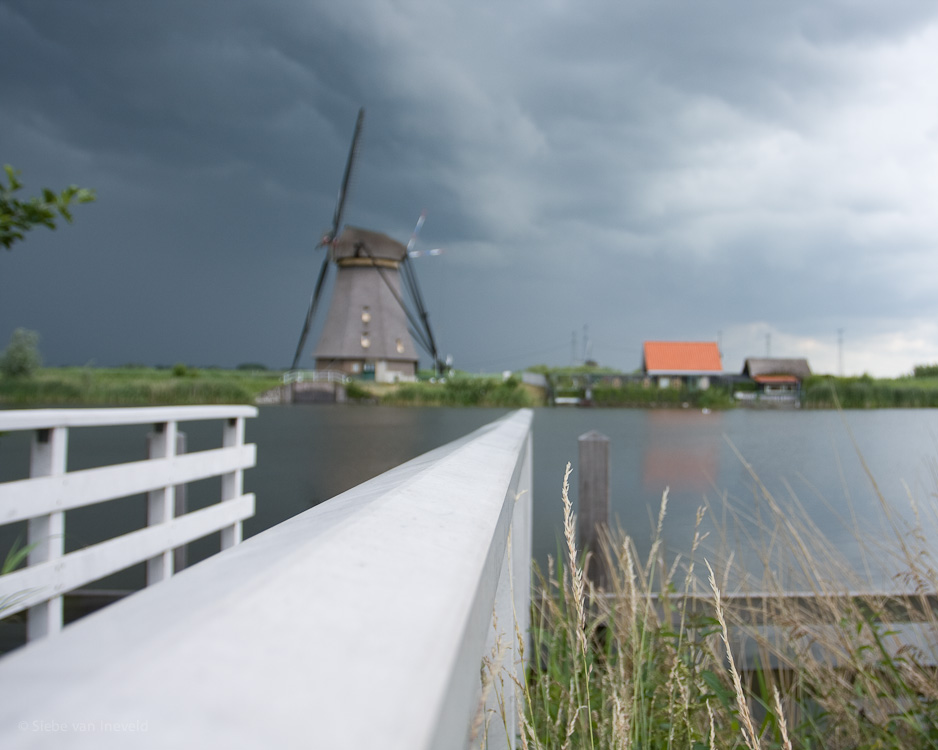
(180, 505)
(594, 498)
(47, 533)
(232, 484)
(180, 557)
(161, 503)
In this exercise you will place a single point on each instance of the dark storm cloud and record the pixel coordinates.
(651, 169)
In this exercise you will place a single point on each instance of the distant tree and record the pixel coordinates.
(19, 216)
(21, 358)
(925, 371)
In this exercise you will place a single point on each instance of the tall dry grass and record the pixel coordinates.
(665, 658)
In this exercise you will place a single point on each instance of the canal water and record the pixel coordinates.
(816, 466)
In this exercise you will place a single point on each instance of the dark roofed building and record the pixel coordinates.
(777, 376)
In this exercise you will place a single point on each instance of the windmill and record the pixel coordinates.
(369, 330)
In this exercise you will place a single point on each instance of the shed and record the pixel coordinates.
(777, 375)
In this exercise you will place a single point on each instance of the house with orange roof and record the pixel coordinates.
(682, 363)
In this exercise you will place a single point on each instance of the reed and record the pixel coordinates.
(663, 659)
(823, 392)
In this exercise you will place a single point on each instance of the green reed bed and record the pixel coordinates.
(869, 393)
(644, 662)
(135, 387)
(462, 391)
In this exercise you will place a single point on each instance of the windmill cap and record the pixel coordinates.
(363, 243)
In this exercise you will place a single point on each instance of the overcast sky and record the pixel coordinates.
(759, 174)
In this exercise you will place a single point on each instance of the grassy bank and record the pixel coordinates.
(135, 386)
(482, 391)
(641, 663)
(145, 386)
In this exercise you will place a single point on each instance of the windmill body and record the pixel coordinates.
(366, 329)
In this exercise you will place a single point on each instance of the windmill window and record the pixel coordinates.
(400, 346)
(366, 342)
(366, 316)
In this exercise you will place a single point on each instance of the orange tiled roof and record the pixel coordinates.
(682, 356)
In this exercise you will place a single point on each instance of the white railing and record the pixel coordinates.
(51, 490)
(788, 397)
(365, 622)
(314, 376)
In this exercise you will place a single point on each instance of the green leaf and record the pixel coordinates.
(723, 694)
(17, 216)
(16, 556)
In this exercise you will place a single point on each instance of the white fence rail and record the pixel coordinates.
(51, 490)
(314, 376)
(365, 622)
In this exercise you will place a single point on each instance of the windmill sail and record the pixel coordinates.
(329, 237)
(369, 330)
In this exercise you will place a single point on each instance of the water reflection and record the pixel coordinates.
(805, 460)
(681, 450)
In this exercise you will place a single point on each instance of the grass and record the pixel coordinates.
(135, 386)
(653, 659)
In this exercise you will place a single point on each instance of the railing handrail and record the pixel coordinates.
(37, 419)
(42, 500)
(363, 622)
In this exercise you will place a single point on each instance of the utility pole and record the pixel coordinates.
(840, 351)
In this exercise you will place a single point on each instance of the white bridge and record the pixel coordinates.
(383, 618)
(323, 386)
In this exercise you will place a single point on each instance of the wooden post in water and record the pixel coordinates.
(594, 499)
